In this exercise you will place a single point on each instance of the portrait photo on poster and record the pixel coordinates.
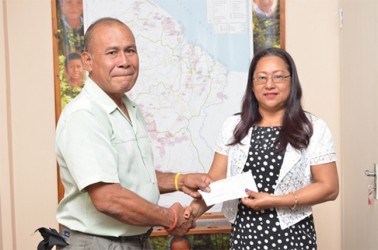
(267, 24)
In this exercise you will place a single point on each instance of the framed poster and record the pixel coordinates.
(68, 44)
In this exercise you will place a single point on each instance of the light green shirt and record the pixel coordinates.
(96, 142)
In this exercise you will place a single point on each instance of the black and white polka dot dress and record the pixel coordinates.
(261, 229)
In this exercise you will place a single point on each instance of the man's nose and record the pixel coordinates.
(124, 59)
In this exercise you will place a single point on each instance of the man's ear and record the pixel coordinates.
(87, 61)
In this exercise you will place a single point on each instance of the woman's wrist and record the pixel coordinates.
(295, 202)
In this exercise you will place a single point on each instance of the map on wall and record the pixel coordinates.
(194, 59)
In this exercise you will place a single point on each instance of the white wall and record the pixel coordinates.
(6, 226)
(312, 38)
(27, 121)
(28, 168)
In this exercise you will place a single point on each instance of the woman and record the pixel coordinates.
(290, 153)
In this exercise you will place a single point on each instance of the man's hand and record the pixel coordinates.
(185, 220)
(190, 183)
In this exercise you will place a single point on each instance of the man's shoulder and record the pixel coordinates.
(80, 102)
(83, 106)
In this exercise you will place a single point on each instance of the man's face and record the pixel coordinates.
(112, 61)
(75, 70)
(264, 5)
(72, 9)
(180, 245)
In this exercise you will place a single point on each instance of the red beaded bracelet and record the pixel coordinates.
(174, 224)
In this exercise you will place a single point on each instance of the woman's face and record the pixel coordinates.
(270, 93)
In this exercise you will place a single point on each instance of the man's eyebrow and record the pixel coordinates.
(112, 48)
(133, 46)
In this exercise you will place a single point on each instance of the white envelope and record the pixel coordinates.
(230, 188)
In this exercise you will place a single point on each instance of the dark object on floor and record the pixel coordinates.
(51, 238)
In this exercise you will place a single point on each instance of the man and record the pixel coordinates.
(105, 157)
(179, 243)
(74, 69)
(72, 25)
(263, 8)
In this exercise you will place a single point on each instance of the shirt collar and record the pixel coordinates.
(103, 100)
(262, 13)
(65, 23)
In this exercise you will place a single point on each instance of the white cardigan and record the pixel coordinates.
(295, 171)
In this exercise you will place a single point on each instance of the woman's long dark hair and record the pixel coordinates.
(296, 128)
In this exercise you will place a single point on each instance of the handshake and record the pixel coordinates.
(184, 219)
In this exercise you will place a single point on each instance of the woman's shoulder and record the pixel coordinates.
(315, 120)
(233, 118)
(232, 121)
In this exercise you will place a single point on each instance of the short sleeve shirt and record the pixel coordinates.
(96, 142)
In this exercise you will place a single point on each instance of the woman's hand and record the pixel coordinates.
(258, 200)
